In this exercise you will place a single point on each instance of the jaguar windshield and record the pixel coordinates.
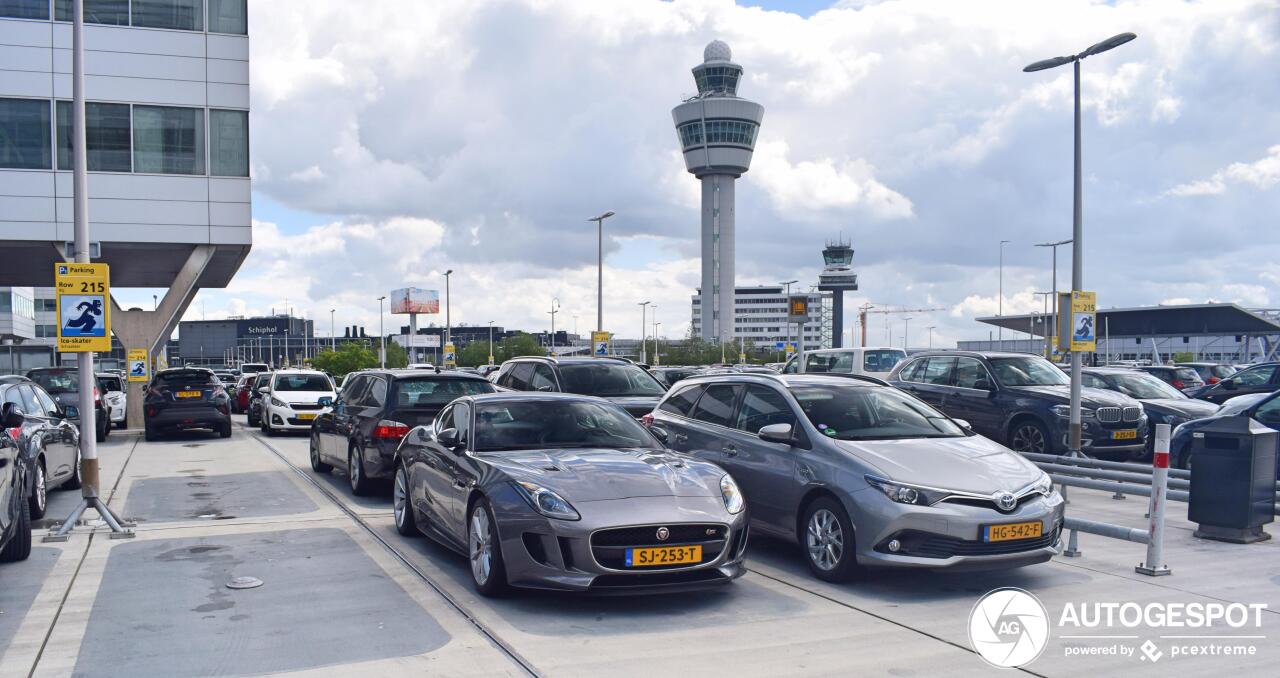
(871, 413)
(542, 424)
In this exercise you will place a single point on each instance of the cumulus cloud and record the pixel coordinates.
(1261, 174)
(811, 187)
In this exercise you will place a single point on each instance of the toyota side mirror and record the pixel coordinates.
(964, 424)
(776, 433)
(11, 416)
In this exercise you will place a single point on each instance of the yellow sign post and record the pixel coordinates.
(450, 356)
(600, 344)
(84, 307)
(139, 365)
(1077, 330)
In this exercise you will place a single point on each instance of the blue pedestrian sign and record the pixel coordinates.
(84, 306)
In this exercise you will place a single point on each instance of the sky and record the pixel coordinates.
(392, 141)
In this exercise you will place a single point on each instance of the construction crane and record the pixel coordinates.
(864, 309)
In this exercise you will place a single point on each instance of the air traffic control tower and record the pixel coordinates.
(717, 131)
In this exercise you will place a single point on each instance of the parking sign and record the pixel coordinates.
(84, 307)
(600, 344)
(138, 369)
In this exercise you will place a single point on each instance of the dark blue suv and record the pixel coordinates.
(1023, 401)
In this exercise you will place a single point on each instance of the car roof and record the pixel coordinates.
(787, 380)
(417, 373)
(516, 396)
(974, 354)
(6, 379)
(1111, 369)
(571, 359)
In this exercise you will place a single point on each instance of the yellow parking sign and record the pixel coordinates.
(139, 370)
(600, 344)
(1077, 330)
(84, 307)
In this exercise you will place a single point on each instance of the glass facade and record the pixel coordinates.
(110, 12)
(107, 136)
(224, 16)
(228, 16)
(228, 143)
(24, 134)
(17, 304)
(24, 9)
(717, 79)
(183, 15)
(736, 132)
(168, 140)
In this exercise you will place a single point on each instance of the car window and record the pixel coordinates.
(882, 360)
(872, 413)
(111, 384)
(791, 367)
(609, 379)
(542, 379)
(56, 381)
(1221, 371)
(443, 420)
(1143, 386)
(518, 377)
(285, 383)
(763, 406)
(1255, 376)
(716, 405)
(1028, 371)
(462, 421)
(820, 362)
(31, 402)
(913, 371)
(13, 396)
(46, 403)
(938, 371)
(1092, 381)
(433, 391)
(971, 373)
(184, 378)
(1269, 412)
(682, 401)
(1188, 375)
(353, 389)
(377, 394)
(560, 423)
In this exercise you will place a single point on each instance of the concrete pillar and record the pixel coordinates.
(136, 328)
(717, 257)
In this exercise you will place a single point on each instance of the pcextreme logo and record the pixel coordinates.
(1008, 627)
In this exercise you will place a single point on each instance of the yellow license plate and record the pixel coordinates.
(1012, 531)
(189, 394)
(306, 416)
(1131, 434)
(664, 555)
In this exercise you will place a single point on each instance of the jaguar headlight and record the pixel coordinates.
(906, 494)
(546, 502)
(732, 496)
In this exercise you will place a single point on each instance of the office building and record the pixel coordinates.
(760, 318)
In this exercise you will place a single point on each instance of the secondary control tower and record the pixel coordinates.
(717, 132)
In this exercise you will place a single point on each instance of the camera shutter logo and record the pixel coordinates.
(1008, 628)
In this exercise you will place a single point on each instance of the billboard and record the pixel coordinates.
(415, 300)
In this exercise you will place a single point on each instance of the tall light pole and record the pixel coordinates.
(448, 322)
(906, 332)
(600, 268)
(656, 325)
(1000, 300)
(643, 326)
(654, 308)
(1077, 226)
(490, 342)
(333, 337)
(382, 353)
(555, 308)
(787, 304)
(931, 328)
(1046, 328)
(1055, 246)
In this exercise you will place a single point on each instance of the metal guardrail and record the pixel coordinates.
(1087, 462)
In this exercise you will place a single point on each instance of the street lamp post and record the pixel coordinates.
(600, 268)
(1000, 300)
(333, 337)
(1055, 246)
(656, 325)
(382, 353)
(555, 308)
(787, 304)
(1077, 226)
(906, 333)
(1046, 328)
(448, 322)
(490, 342)
(643, 325)
(931, 328)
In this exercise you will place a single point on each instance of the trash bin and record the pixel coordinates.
(1233, 480)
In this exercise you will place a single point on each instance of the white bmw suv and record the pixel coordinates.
(294, 398)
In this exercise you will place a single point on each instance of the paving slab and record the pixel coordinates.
(163, 608)
(205, 496)
(19, 584)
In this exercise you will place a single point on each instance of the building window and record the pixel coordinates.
(24, 134)
(228, 16)
(18, 305)
(718, 132)
(106, 132)
(47, 305)
(110, 12)
(183, 15)
(24, 9)
(46, 331)
(168, 140)
(229, 143)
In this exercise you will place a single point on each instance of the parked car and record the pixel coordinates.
(46, 439)
(183, 398)
(873, 361)
(670, 375)
(1260, 378)
(1211, 373)
(566, 492)
(1022, 401)
(1163, 403)
(1264, 407)
(63, 383)
(254, 368)
(113, 392)
(1184, 379)
(616, 379)
(256, 398)
(227, 377)
(293, 399)
(486, 370)
(858, 473)
(15, 473)
(240, 393)
(376, 409)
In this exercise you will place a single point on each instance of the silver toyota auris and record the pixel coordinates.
(860, 473)
(567, 492)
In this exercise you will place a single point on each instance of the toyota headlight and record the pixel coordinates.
(276, 402)
(732, 496)
(546, 502)
(906, 494)
(1044, 485)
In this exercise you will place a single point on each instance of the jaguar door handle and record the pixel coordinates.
(681, 438)
(731, 450)
(462, 485)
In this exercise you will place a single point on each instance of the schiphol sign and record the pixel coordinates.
(1010, 627)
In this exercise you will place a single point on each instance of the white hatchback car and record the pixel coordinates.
(294, 398)
(872, 361)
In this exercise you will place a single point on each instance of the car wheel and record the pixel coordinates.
(101, 434)
(355, 472)
(488, 572)
(150, 435)
(19, 546)
(265, 425)
(73, 483)
(39, 498)
(406, 524)
(829, 541)
(224, 430)
(1029, 435)
(317, 465)
(253, 421)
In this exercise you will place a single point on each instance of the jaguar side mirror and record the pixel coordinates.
(660, 433)
(72, 412)
(448, 438)
(776, 433)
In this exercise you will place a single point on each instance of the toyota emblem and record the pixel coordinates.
(663, 533)
(1006, 501)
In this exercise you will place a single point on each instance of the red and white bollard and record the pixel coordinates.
(1154, 566)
